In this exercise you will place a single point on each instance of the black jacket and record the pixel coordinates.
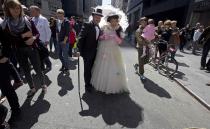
(5, 45)
(205, 35)
(65, 30)
(87, 42)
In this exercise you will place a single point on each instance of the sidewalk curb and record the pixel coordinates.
(199, 99)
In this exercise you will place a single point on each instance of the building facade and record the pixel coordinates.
(200, 12)
(134, 12)
(122, 4)
(48, 7)
(80, 7)
(168, 9)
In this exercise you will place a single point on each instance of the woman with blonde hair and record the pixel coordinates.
(22, 33)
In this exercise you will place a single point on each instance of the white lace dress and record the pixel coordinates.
(108, 73)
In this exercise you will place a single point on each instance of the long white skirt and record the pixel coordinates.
(108, 73)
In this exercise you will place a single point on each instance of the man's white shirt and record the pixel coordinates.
(43, 28)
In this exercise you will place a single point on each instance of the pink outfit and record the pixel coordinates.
(108, 37)
(149, 32)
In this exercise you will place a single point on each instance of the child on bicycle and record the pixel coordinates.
(148, 34)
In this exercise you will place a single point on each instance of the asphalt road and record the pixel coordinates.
(159, 103)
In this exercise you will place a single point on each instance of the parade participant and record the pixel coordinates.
(87, 44)
(108, 72)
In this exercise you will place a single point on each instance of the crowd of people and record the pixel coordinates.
(26, 35)
(189, 38)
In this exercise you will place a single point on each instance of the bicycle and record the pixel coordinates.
(165, 64)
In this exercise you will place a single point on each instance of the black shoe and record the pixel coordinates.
(62, 68)
(15, 116)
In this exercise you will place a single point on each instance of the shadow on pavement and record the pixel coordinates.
(180, 75)
(38, 83)
(114, 109)
(73, 64)
(154, 88)
(31, 110)
(183, 64)
(178, 55)
(54, 55)
(65, 82)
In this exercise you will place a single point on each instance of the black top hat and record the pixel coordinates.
(97, 12)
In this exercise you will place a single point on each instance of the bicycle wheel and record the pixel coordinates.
(167, 66)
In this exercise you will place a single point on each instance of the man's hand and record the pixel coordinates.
(78, 54)
(3, 60)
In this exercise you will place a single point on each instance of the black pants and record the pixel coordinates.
(6, 87)
(88, 64)
(70, 50)
(162, 48)
(205, 52)
(26, 54)
(3, 113)
(14, 73)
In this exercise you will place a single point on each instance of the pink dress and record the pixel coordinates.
(149, 32)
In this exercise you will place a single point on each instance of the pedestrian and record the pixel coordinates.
(5, 52)
(196, 36)
(72, 41)
(63, 31)
(87, 44)
(205, 40)
(174, 39)
(140, 43)
(42, 25)
(23, 35)
(78, 25)
(166, 36)
(160, 27)
(188, 36)
(53, 40)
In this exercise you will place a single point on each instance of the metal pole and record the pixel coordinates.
(79, 83)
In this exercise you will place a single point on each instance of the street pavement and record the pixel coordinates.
(191, 76)
(158, 103)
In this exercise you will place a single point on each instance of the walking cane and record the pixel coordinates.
(79, 83)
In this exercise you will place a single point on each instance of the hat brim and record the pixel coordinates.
(98, 14)
(113, 15)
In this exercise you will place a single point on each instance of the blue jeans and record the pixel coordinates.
(63, 50)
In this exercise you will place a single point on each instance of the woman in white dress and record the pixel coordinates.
(108, 73)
